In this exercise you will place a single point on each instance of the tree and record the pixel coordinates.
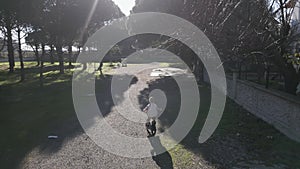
(284, 37)
(7, 18)
(13, 17)
(65, 31)
(34, 39)
(241, 30)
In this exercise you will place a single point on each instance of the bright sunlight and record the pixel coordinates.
(125, 5)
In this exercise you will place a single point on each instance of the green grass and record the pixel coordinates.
(262, 142)
(29, 113)
(182, 157)
(267, 143)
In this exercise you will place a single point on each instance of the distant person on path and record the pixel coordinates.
(152, 112)
(124, 62)
(100, 68)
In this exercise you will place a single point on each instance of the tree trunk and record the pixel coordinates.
(51, 54)
(77, 53)
(36, 52)
(42, 66)
(85, 63)
(202, 73)
(70, 52)
(60, 58)
(10, 48)
(291, 80)
(267, 77)
(240, 71)
(21, 55)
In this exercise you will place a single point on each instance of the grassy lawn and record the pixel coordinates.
(241, 140)
(30, 113)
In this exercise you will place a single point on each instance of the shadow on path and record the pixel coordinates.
(105, 98)
(164, 160)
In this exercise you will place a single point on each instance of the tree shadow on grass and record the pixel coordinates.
(31, 113)
(240, 137)
(105, 104)
(208, 150)
(164, 160)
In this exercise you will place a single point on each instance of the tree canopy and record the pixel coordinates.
(59, 23)
(243, 32)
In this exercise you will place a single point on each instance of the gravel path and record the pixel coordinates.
(79, 151)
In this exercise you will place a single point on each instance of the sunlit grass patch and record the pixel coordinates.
(6, 78)
(182, 157)
(164, 64)
(32, 73)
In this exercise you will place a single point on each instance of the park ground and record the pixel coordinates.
(29, 113)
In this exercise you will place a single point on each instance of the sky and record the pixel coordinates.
(125, 5)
